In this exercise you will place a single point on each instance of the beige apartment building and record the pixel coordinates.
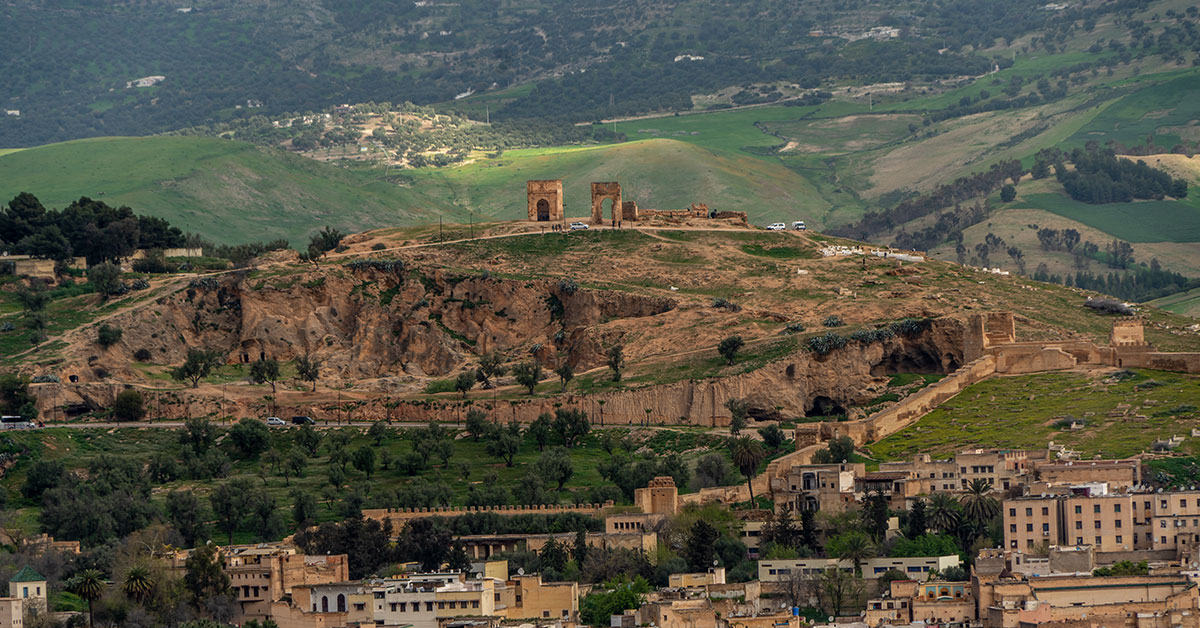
(1168, 521)
(534, 599)
(1103, 521)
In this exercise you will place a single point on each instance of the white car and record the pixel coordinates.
(575, 226)
(799, 226)
(274, 420)
(776, 226)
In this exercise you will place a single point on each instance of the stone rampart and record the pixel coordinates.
(399, 516)
(908, 410)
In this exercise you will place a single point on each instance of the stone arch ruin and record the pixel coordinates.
(601, 192)
(545, 199)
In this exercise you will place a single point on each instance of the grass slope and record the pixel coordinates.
(228, 191)
(1166, 111)
(1143, 221)
(657, 173)
(1021, 412)
(1187, 303)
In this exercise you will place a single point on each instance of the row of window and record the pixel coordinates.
(403, 607)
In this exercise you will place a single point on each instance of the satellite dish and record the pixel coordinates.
(521, 571)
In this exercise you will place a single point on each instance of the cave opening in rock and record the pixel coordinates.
(912, 360)
(825, 406)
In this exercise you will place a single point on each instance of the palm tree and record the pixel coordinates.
(89, 585)
(977, 505)
(853, 546)
(747, 455)
(943, 513)
(139, 584)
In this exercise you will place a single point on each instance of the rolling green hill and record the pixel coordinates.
(233, 192)
(227, 191)
(657, 173)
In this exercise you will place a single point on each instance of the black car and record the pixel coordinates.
(303, 420)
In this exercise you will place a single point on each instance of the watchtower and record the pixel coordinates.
(1127, 332)
(660, 497)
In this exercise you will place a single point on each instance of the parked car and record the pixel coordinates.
(575, 226)
(799, 225)
(776, 226)
(274, 420)
(303, 420)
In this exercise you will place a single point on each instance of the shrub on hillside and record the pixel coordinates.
(108, 335)
(826, 343)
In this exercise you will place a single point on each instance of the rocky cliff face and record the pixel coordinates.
(367, 322)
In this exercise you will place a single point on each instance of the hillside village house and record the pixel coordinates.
(26, 591)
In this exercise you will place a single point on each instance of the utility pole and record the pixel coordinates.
(487, 113)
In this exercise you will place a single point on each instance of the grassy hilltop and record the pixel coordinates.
(225, 190)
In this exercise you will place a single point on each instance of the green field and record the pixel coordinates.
(1142, 221)
(1020, 412)
(1186, 303)
(228, 191)
(1167, 111)
(845, 134)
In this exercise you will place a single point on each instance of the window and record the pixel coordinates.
(1078, 525)
(545, 613)
(441, 605)
(1162, 539)
(1045, 527)
(1097, 525)
(1119, 539)
(474, 603)
(403, 607)
(428, 607)
(1028, 527)
(1045, 511)
(1078, 509)
(1012, 528)
(1098, 542)
(1117, 523)
(1116, 507)
(1096, 508)
(1079, 540)
(1012, 512)
(1028, 512)
(1183, 503)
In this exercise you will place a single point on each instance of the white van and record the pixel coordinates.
(799, 225)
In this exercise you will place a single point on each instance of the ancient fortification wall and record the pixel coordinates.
(399, 516)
